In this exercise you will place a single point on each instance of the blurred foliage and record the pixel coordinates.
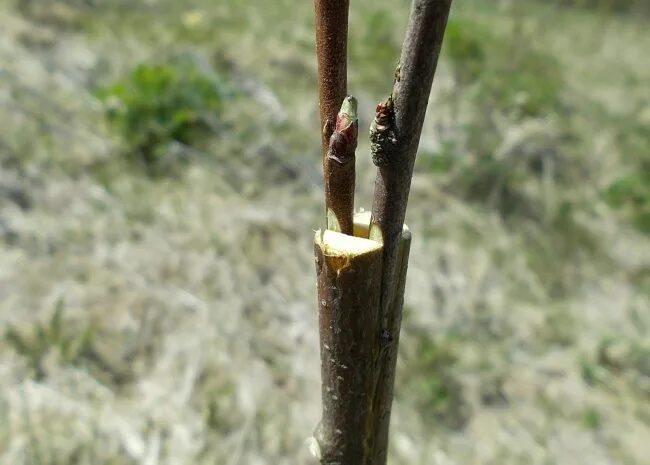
(502, 73)
(631, 194)
(61, 342)
(375, 46)
(499, 76)
(560, 327)
(591, 418)
(556, 250)
(617, 354)
(162, 104)
(494, 181)
(429, 377)
(609, 6)
(618, 358)
(219, 406)
(53, 335)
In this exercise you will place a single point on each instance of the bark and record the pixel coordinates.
(354, 348)
(349, 279)
(395, 135)
(360, 281)
(331, 50)
(385, 369)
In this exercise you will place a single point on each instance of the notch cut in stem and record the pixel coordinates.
(356, 401)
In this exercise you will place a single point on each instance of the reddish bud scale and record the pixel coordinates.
(339, 168)
(348, 128)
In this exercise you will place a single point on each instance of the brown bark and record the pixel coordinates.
(361, 282)
(331, 50)
(383, 397)
(401, 118)
(355, 351)
(349, 278)
(395, 135)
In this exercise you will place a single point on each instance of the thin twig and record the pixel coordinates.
(395, 135)
(331, 50)
(339, 169)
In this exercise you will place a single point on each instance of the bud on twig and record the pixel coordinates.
(339, 169)
(382, 134)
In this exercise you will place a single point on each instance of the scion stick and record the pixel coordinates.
(395, 135)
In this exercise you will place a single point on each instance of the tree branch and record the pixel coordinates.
(331, 50)
(395, 135)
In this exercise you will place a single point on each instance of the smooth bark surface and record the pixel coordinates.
(349, 278)
(357, 387)
(383, 397)
(403, 115)
(395, 135)
(331, 50)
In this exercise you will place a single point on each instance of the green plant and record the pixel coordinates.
(496, 182)
(618, 354)
(502, 73)
(556, 246)
(499, 75)
(430, 379)
(466, 50)
(608, 6)
(53, 335)
(631, 194)
(159, 104)
(592, 373)
(377, 45)
(440, 161)
(591, 418)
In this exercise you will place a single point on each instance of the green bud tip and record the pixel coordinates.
(349, 107)
(348, 113)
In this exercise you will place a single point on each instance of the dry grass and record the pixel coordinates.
(186, 329)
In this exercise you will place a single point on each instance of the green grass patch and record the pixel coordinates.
(502, 72)
(630, 193)
(608, 6)
(160, 105)
(591, 418)
(432, 384)
(44, 338)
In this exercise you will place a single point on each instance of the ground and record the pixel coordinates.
(159, 306)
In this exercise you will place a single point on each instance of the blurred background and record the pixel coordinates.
(160, 181)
